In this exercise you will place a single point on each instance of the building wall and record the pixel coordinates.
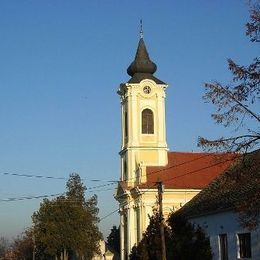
(102, 247)
(227, 223)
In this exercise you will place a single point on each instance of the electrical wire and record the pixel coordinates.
(92, 189)
(174, 166)
(198, 170)
(53, 177)
(108, 215)
(30, 197)
(53, 195)
(100, 186)
(127, 203)
(191, 172)
(99, 180)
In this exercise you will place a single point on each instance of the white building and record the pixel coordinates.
(216, 210)
(145, 157)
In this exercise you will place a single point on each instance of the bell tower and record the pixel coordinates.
(143, 119)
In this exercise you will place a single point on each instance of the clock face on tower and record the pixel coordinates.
(147, 90)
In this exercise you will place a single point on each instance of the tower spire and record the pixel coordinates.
(142, 66)
(142, 62)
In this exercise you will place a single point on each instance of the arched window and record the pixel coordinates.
(147, 121)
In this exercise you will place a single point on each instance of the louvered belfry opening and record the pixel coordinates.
(147, 121)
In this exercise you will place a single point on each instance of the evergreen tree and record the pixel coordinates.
(183, 241)
(149, 247)
(113, 240)
(187, 241)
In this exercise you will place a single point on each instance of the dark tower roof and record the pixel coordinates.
(142, 62)
(142, 67)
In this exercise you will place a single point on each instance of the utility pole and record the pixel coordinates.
(160, 192)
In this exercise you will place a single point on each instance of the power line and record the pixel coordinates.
(127, 203)
(173, 166)
(93, 180)
(44, 196)
(34, 176)
(101, 190)
(191, 172)
(183, 163)
(30, 197)
(99, 180)
(180, 164)
(92, 189)
(198, 170)
(109, 214)
(55, 195)
(52, 177)
(111, 182)
(100, 186)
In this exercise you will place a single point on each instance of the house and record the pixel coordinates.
(145, 156)
(219, 207)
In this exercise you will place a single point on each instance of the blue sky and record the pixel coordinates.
(61, 63)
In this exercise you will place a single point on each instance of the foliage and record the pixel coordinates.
(4, 244)
(23, 246)
(247, 179)
(67, 225)
(183, 241)
(113, 240)
(187, 241)
(150, 246)
(237, 104)
(75, 188)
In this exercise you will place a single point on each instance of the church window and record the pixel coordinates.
(126, 125)
(147, 121)
(125, 169)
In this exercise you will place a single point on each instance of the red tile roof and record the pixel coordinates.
(189, 170)
(238, 188)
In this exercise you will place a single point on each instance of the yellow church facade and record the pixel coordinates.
(145, 157)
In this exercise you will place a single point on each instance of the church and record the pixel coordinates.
(145, 156)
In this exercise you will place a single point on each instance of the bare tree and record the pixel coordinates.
(237, 104)
(4, 245)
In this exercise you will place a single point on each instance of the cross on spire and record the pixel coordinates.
(141, 29)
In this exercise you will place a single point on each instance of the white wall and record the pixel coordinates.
(227, 222)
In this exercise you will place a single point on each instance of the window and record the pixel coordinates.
(125, 236)
(223, 246)
(244, 241)
(147, 122)
(126, 125)
(125, 170)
